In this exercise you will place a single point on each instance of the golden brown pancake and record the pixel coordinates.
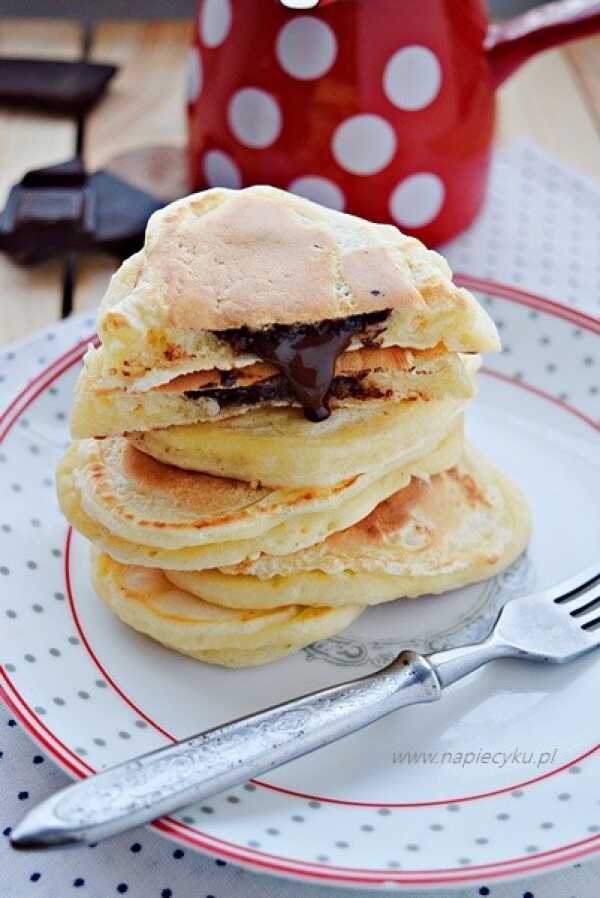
(225, 259)
(141, 511)
(464, 525)
(279, 447)
(265, 280)
(145, 600)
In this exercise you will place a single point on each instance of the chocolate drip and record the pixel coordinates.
(305, 354)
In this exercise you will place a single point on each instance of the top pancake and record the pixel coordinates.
(223, 259)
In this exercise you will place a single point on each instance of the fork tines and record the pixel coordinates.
(588, 590)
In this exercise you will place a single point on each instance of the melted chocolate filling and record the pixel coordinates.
(279, 389)
(304, 353)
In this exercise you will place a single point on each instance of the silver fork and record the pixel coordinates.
(557, 625)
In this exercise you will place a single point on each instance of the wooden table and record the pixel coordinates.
(554, 99)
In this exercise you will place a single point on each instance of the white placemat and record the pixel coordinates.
(540, 230)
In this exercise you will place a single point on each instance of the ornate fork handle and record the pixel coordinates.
(140, 790)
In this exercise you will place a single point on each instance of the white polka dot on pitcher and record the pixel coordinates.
(254, 117)
(215, 21)
(220, 170)
(364, 144)
(320, 190)
(306, 47)
(412, 78)
(300, 4)
(194, 75)
(417, 200)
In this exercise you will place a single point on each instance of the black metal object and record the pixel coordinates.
(51, 211)
(96, 10)
(50, 85)
(62, 209)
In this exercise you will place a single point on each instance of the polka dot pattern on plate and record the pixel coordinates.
(412, 78)
(364, 144)
(215, 21)
(320, 190)
(254, 117)
(417, 200)
(220, 170)
(194, 75)
(306, 47)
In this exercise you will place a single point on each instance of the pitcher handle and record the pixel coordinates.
(509, 44)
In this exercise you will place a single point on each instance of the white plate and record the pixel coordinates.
(360, 812)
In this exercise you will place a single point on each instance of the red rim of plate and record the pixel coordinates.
(262, 860)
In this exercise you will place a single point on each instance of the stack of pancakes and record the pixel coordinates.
(270, 436)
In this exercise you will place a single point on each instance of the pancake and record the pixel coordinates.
(145, 600)
(362, 377)
(142, 511)
(464, 525)
(222, 260)
(279, 447)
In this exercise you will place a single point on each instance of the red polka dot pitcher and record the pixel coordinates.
(383, 108)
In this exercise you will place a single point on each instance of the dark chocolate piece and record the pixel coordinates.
(62, 209)
(48, 85)
(50, 212)
(279, 389)
(305, 353)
